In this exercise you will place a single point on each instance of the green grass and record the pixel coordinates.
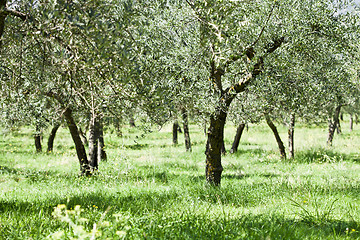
(149, 189)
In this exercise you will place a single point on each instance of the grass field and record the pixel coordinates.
(149, 189)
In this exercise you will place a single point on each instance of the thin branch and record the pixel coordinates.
(263, 28)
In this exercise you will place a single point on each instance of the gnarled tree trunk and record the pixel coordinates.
(277, 137)
(93, 143)
(333, 123)
(37, 138)
(175, 132)
(79, 146)
(213, 148)
(50, 144)
(237, 138)
(291, 135)
(215, 132)
(186, 129)
(102, 156)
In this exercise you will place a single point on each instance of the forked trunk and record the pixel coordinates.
(333, 123)
(186, 129)
(37, 138)
(102, 156)
(175, 132)
(50, 144)
(213, 147)
(237, 138)
(291, 135)
(277, 137)
(93, 143)
(79, 146)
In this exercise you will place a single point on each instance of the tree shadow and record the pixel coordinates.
(322, 155)
(137, 146)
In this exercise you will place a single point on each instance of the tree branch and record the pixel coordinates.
(256, 70)
(263, 28)
(15, 13)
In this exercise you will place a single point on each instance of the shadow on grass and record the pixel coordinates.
(150, 217)
(137, 146)
(192, 226)
(35, 175)
(242, 176)
(256, 151)
(322, 155)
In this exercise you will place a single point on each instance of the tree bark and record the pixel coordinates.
(333, 123)
(37, 138)
(351, 122)
(50, 144)
(83, 137)
(186, 129)
(2, 20)
(223, 148)
(277, 137)
(291, 135)
(79, 146)
(93, 143)
(213, 147)
(102, 156)
(237, 138)
(175, 132)
(338, 127)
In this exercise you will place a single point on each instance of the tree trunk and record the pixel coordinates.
(93, 143)
(205, 129)
(333, 123)
(175, 132)
(338, 127)
(102, 156)
(79, 146)
(83, 137)
(277, 137)
(218, 118)
(186, 129)
(213, 147)
(223, 148)
(37, 138)
(117, 124)
(237, 138)
(291, 135)
(2, 20)
(351, 123)
(50, 144)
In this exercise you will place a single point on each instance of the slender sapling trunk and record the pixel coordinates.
(291, 135)
(277, 137)
(237, 138)
(186, 129)
(50, 144)
(79, 146)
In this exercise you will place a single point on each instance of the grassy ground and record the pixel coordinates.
(149, 189)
